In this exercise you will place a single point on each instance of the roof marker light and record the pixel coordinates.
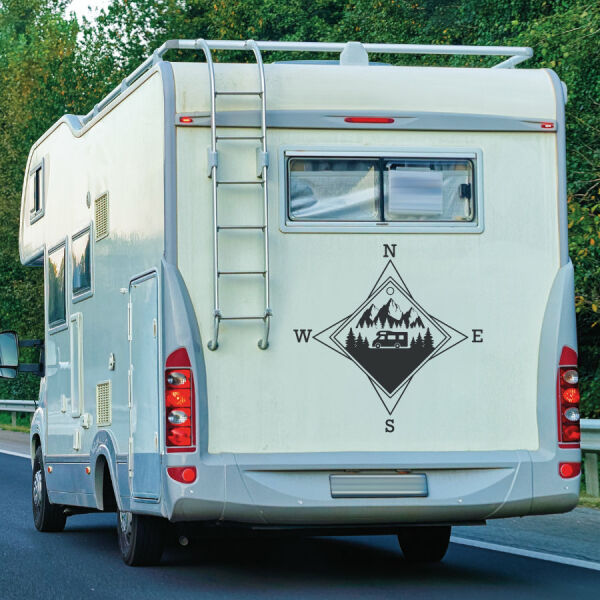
(368, 120)
(186, 119)
(547, 125)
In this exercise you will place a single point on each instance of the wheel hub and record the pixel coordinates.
(37, 488)
(125, 522)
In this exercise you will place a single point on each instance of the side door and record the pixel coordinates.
(144, 389)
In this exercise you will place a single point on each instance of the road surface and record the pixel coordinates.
(83, 561)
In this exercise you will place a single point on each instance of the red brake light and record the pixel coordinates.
(179, 358)
(568, 470)
(186, 119)
(571, 395)
(547, 125)
(182, 474)
(180, 425)
(567, 393)
(369, 120)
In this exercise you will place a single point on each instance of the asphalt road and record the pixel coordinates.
(83, 562)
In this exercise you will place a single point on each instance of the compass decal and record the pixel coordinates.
(390, 337)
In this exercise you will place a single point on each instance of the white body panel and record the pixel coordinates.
(120, 153)
(302, 397)
(521, 93)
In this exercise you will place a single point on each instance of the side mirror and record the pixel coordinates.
(9, 355)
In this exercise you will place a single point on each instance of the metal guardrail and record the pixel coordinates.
(590, 428)
(17, 406)
(590, 446)
(590, 440)
(590, 435)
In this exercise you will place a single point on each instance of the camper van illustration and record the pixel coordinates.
(390, 339)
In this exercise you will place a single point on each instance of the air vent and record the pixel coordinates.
(101, 205)
(103, 404)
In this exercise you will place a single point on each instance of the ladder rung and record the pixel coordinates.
(257, 182)
(235, 137)
(219, 227)
(242, 273)
(238, 93)
(242, 318)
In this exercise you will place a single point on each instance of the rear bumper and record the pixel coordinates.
(295, 490)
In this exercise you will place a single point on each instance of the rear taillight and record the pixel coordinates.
(182, 474)
(568, 470)
(567, 390)
(179, 403)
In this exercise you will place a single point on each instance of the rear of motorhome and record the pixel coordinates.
(312, 296)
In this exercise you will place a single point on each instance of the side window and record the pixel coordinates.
(82, 264)
(36, 183)
(56, 287)
(416, 191)
(420, 189)
(334, 189)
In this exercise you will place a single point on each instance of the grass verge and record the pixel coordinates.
(21, 428)
(588, 501)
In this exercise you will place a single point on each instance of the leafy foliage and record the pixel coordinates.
(50, 65)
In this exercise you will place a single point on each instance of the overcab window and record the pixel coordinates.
(36, 184)
(56, 287)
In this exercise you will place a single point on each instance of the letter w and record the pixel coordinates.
(302, 334)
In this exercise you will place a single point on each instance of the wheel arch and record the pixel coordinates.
(103, 461)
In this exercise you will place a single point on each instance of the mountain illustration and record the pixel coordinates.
(367, 319)
(417, 323)
(390, 315)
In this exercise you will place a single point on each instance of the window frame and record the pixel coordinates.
(287, 225)
(87, 293)
(36, 215)
(52, 329)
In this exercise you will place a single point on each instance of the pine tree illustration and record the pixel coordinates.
(350, 341)
(365, 345)
(419, 341)
(359, 341)
(413, 343)
(428, 341)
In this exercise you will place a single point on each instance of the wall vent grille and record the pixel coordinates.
(101, 205)
(103, 404)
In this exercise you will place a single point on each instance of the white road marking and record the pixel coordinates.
(19, 454)
(556, 558)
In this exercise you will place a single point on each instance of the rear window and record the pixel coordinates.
(404, 192)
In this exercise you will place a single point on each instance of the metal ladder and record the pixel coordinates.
(261, 180)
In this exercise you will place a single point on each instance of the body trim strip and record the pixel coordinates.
(335, 119)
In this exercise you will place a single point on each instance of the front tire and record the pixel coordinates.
(141, 538)
(424, 544)
(46, 516)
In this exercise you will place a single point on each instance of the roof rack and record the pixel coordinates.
(350, 53)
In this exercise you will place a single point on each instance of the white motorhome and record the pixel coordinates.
(320, 296)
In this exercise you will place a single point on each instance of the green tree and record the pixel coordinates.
(39, 82)
(49, 65)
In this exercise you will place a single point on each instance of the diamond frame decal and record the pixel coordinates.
(388, 359)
